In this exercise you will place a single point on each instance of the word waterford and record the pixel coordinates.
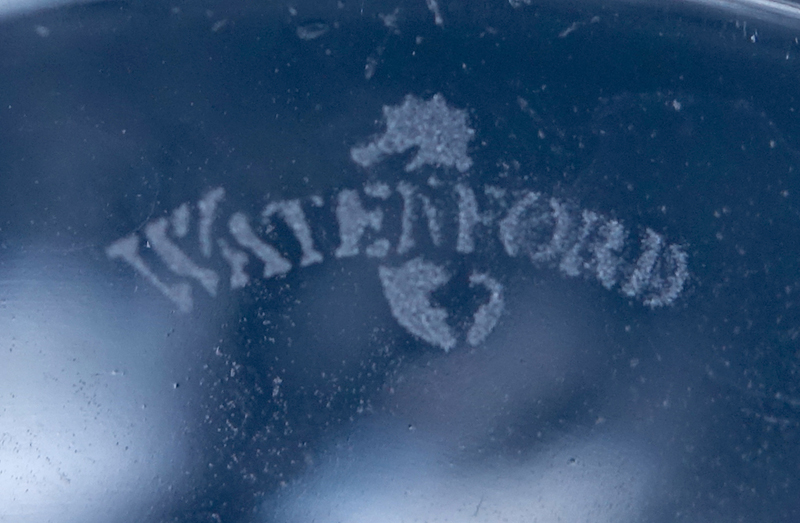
(411, 230)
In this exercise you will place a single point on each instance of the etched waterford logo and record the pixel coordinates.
(430, 222)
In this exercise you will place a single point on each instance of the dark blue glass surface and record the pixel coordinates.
(411, 261)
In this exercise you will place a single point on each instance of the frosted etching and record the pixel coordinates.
(416, 231)
(643, 270)
(176, 260)
(515, 228)
(468, 218)
(274, 263)
(411, 201)
(487, 315)
(668, 282)
(354, 220)
(295, 218)
(207, 206)
(237, 260)
(127, 249)
(440, 134)
(180, 220)
(408, 289)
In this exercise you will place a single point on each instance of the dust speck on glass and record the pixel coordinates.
(399, 261)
